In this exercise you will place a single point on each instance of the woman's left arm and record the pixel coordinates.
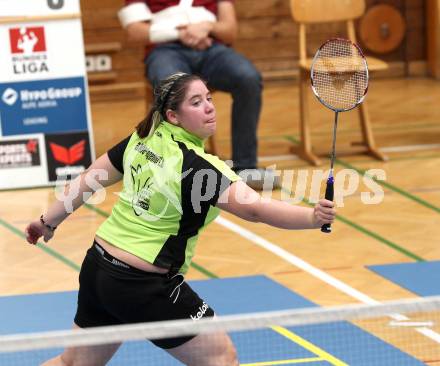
(99, 175)
(226, 27)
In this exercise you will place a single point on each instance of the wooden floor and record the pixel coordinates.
(402, 228)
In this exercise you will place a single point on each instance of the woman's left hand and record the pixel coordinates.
(35, 230)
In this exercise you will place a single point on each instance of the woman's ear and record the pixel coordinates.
(172, 117)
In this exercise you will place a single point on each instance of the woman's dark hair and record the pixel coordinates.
(169, 94)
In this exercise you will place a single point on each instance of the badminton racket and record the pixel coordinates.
(339, 77)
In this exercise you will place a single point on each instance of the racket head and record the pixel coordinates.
(339, 75)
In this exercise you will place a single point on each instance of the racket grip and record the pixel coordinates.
(329, 194)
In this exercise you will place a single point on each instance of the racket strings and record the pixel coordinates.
(340, 75)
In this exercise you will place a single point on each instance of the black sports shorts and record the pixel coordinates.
(111, 293)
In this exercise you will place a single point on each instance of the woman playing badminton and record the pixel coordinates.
(172, 189)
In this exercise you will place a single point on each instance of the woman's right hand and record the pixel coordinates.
(35, 230)
(323, 213)
(195, 36)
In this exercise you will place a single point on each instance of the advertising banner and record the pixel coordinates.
(38, 7)
(43, 93)
(23, 161)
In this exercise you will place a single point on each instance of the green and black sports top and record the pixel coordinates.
(170, 189)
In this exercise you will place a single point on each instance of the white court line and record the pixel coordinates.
(410, 324)
(262, 159)
(223, 259)
(307, 267)
(409, 148)
(429, 333)
(404, 148)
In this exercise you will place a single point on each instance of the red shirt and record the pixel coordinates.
(158, 5)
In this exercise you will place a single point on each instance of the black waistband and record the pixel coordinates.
(120, 264)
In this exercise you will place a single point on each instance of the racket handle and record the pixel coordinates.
(329, 194)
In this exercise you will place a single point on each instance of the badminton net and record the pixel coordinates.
(404, 332)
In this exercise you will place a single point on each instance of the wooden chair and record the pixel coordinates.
(305, 13)
(211, 144)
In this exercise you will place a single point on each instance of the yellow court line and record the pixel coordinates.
(284, 362)
(309, 346)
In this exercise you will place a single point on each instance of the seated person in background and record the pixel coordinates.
(192, 36)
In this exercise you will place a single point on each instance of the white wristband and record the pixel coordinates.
(136, 12)
(161, 33)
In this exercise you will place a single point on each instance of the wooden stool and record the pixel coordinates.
(305, 13)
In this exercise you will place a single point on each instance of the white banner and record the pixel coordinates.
(38, 51)
(45, 126)
(38, 7)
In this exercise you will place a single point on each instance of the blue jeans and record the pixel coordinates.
(225, 70)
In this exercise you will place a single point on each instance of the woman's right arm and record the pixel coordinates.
(242, 201)
(100, 174)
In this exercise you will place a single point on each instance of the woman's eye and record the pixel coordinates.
(196, 103)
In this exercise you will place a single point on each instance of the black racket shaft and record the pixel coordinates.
(330, 188)
(329, 195)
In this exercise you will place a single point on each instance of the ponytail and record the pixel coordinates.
(148, 125)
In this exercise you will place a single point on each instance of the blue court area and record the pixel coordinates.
(422, 278)
(338, 343)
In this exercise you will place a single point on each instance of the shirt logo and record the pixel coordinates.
(142, 191)
(202, 310)
(149, 154)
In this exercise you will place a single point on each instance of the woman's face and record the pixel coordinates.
(196, 114)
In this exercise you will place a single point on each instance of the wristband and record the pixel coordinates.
(51, 228)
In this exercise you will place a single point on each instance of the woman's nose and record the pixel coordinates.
(209, 107)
